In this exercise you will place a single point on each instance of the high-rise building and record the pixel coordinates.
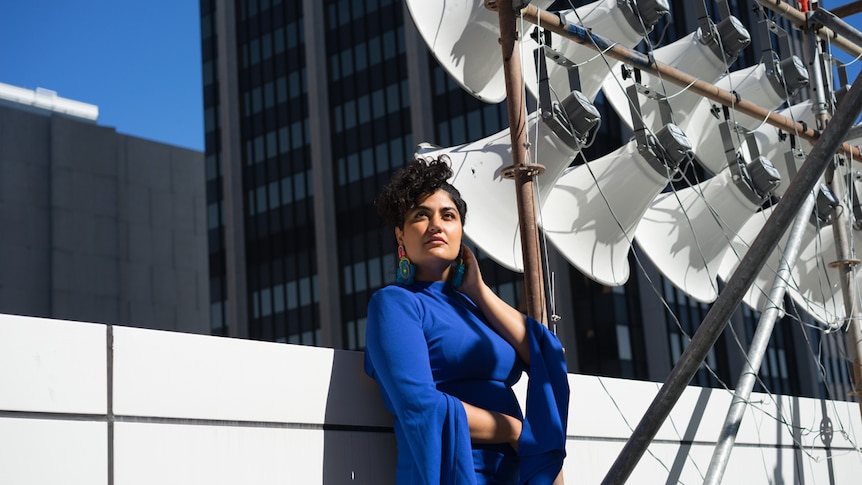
(310, 106)
(97, 226)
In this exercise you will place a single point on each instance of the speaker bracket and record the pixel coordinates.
(530, 170)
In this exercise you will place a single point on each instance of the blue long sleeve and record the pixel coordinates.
(542, 445)
(431, 425)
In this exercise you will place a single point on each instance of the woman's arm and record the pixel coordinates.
(505, 320)
(491, 427)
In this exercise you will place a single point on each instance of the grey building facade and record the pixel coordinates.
(99, 226)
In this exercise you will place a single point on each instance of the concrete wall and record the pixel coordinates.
(93, 404)
(99, 226)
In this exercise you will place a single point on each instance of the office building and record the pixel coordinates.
(97, 226)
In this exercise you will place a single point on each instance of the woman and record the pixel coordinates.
(445, 359)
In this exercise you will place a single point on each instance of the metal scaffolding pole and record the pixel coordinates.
(759, 343)
(800, 20)
(522, 170)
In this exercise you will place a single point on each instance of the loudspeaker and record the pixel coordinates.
(698, 54)
(813, 285)
(686, 233)
(624, 22)
(592, 212)
(762, 85)
(463, 37)
(492, 222)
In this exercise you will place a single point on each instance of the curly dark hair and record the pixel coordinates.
(413, 182)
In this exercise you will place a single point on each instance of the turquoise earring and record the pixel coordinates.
(406, 269)
(458, 277)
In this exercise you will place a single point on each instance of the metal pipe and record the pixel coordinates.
(800, 20)
(587, 38)
(847, 9)
(840, 27)
(846, 265)
(759, 343)
(728, 300)
(522, 169)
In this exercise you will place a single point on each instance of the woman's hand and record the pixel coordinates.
(507, 321)
(472, 283)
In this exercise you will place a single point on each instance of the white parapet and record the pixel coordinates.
(91, 404)
(49, 100)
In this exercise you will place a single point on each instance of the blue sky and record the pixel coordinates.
(139, 61)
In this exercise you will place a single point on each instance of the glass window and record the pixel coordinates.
(360, 281)
(335, 68)
(265, 302)
(299, 185)
(346, 63)
(342, 171)
(254, 51)
(283, 140)
(287, 190)
(258, 149)
(269, 95)
(256, 100)
(367, 163)
(352, 168)
(266, 44)
(361, 57)
(378, 103)
(348, 279)
(381, 160)
(261, 199)
(305, 292)
(374, 51)
(389, 47)
(271, 145)
(364, 108)
(349, 114)
(396, 152)
(279, 40)
(296, 134)
(274, 195)
(338, 118)
(292, 296)
(212, 216)
(392, 98)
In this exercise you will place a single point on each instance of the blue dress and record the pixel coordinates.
(428, 347)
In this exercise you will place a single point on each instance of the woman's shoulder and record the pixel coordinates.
(392, 291)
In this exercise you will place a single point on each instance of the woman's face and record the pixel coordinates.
(432, 236)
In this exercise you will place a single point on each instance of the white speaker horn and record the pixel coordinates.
(813, 285)
(463, 36)
(818, 285)
(623, 22)
(592, 212)
(775, 145)
(757, 84)
(686, 233)
(692, 54)
(492, 220)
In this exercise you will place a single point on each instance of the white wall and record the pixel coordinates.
(92, 404)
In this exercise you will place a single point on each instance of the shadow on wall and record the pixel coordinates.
(358, 439)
